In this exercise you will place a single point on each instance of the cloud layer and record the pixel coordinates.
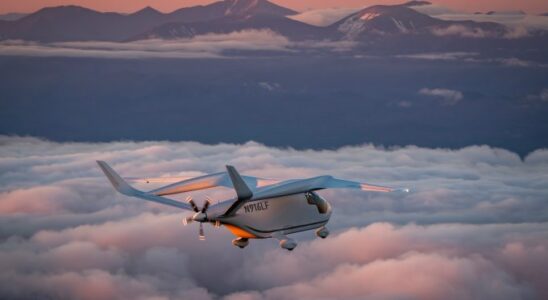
(516, 19)
(474, 226)
(201, 46)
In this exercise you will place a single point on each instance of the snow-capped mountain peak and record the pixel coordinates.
(369, 16)
(383, 19)
(238, 7)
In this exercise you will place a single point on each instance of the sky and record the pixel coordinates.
(474, 225)
(532, 6)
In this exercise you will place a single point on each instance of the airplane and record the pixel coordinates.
(263, 208)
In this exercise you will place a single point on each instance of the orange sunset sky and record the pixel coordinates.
(531, 6)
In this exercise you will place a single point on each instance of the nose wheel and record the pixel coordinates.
(322, 232)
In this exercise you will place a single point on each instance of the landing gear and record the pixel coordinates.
(240, 242)
(285, 242)
(288, 244)
(322, 232)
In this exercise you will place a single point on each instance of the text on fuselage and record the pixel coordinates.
(258, 206)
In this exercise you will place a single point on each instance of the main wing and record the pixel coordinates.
(221, 179)
(165, 180)
(319, 183)
(259, 188)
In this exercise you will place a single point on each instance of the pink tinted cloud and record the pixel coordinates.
(415, 276)
(124, 248)
(132, 234)
(34, 200)
(97, 284)
(424, 262)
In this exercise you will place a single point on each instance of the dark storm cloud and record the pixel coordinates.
(65, 233)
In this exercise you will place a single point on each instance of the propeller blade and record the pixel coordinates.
(206, 205)
(191, 202)
(187, 220)
(202, 236)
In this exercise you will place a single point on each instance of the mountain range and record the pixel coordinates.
(74, 23)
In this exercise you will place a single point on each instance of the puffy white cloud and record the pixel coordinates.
(516, 19)
(542, 96)
(514, 32)
(439, 277)
(473, 57)
(462, 31)
(448, 97)
(269, 86)
(202, 46)
(71, 236)
(440, 55)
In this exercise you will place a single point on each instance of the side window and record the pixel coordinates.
(313, 199)
(309, 199)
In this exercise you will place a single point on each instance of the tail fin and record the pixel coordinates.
(242, 191)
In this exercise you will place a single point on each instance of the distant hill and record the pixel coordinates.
(400, 19)
(74, 23)
(230, 9)
(292, 29)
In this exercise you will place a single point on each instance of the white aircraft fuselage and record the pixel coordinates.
(261, 218)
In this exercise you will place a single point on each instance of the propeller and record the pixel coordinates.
(200, 215)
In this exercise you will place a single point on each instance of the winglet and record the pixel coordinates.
(242, 190)
(117, 182)
(121, 186)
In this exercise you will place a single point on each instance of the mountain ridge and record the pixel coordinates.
(76, 23)
(73, 23)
